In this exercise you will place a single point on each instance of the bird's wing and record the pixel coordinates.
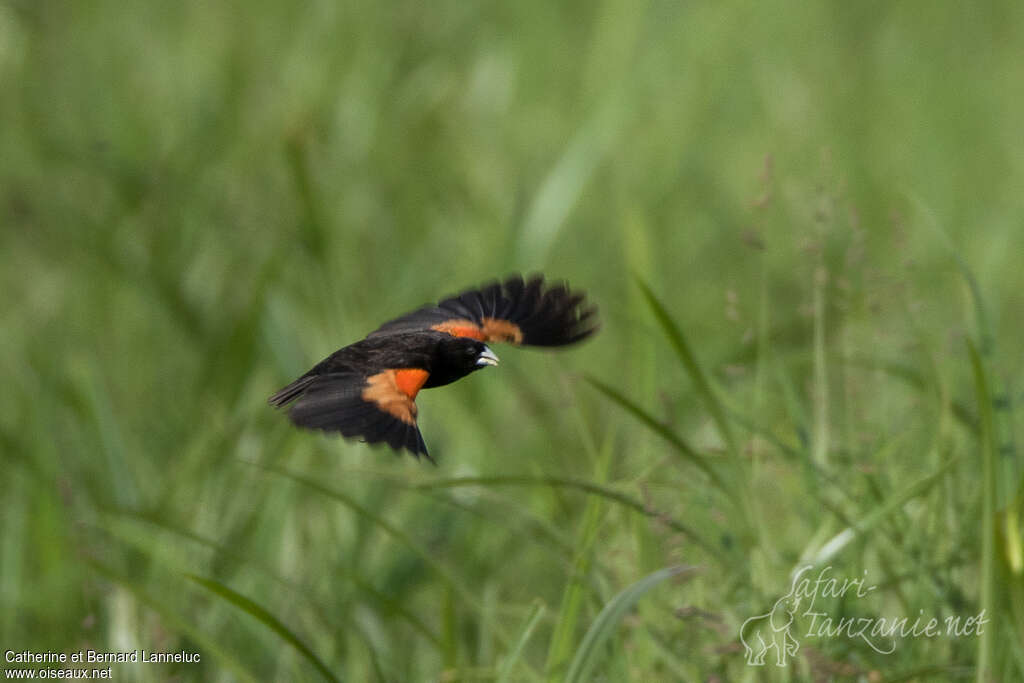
(376, 408)
(527, 312)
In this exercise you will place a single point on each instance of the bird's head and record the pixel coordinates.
(461, 355)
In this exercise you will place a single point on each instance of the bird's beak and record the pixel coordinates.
(486, 357)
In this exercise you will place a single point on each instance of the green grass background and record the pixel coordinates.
(199, 200)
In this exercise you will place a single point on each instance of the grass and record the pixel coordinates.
(801, 225)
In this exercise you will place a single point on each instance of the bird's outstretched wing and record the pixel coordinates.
(376, 408)
(514, 311)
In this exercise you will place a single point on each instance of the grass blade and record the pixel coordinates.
(573, 595)
(988, 506)
(563, 185)
(509, 665)
(689, 361)
(684, 449)
(833, 546)
(314, 235)
(261, 614)
(581, 485)
(819, 383)
(590, 649)
(172, 618)
(457, 586)
(915, 379)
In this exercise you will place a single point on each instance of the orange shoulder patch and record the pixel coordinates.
(410, 380)
(383, 390)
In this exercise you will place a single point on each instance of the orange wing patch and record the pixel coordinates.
(460, 327)
(393, 392)
(492, 330)
(499, 330)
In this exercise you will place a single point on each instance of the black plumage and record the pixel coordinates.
(368, 389)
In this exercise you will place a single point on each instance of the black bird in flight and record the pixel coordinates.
(368, 389)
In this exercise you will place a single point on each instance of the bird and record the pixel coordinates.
(367, 390)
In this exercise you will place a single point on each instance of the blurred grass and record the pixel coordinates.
(198, 201)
